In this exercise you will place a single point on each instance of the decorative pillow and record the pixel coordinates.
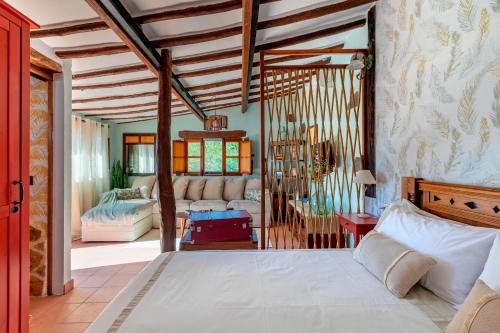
(195, 189)
(234, 188)
(460, 250)
(396, 265)
(129, 193)
(252, 184)
(491, 272)
(180, 188)
(213, 189)
(147, 181)
(253, 195)
(480, 312)
(154, 193)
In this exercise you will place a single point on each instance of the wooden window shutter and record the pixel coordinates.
(179, 157)
(246, 157)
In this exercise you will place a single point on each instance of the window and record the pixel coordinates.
(194, 153)
(214, 156)
(139, 153)
(233, 157)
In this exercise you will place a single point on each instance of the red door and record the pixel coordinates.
(13, 223)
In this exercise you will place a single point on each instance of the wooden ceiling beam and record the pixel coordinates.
(205, 36)
(119, 20)
(118, 107)
(115, 84)
(200, 58)
(110, 71)
(115, 97)
(69, 28)
(250, 15)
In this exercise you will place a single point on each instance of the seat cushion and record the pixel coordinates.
(209, 205)
(180, 206)
(253, 207)
(180, 188)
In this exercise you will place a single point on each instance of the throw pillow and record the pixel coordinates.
(214, 187)
(195, 189)
(253, 195)
(180, 188)
(129, 194)
(396, 265)
(479, 313)
(147, 181)
(233, 189)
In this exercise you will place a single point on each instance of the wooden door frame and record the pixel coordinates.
(45, 68)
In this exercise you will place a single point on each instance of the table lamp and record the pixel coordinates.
(363, 178)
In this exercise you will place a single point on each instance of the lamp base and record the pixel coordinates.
(363, 215)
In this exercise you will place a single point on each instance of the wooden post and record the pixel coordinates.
(369, 128)
(164, 154)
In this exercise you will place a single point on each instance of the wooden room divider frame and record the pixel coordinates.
(295, 161)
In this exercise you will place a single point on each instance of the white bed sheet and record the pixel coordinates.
(263, 291)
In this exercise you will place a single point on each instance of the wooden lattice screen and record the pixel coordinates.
(312, 139)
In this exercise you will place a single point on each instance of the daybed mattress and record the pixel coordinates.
(144, 208)
(264, 291)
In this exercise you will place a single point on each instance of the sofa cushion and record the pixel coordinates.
(145, 183)
(195, 189)
(214, 187)
(209, 205)
(253, 207)
(180, 206)
(180, 188)
(234, 189)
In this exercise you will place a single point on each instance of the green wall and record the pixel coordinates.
(249, 121)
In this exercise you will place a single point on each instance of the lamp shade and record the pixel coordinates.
(364, 177)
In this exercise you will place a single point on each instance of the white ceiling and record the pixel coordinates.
(55, 12)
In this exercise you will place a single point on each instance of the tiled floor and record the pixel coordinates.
(101, 271)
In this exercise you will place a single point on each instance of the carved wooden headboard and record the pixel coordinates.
(472, 205)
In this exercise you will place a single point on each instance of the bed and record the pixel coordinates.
(290, 291)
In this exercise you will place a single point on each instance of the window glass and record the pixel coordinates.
(213, 156)
(232, 156)
(232, 164)
(194, 156)
(232, 148)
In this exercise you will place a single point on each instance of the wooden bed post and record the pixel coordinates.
(163, 169)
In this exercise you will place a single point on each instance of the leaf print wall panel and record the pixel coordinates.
(39, 191)
(438, 93)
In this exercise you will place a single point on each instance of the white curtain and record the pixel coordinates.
(146, 158)
(90, 167)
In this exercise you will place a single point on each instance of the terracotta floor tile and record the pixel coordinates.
(110, 269)
(104, 294)
(85, 313)
(70, 328)
(97, 280)
(120, 280)
(78, 295)
(132, 268)
(84, 271)
(79, 279)
(54, 315)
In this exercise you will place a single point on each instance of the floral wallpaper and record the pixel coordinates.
(438, 92)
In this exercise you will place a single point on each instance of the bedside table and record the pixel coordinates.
(351, 223)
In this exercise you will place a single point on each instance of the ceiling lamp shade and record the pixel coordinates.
(215, 123)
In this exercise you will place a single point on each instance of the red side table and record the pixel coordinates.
(351, 223)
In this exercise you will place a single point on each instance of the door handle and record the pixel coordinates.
(21, 192)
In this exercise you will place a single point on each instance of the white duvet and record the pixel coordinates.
(263, 291)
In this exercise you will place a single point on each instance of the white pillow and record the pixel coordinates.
(491, 272)
(460, 250)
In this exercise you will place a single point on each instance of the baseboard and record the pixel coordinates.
(68, 286)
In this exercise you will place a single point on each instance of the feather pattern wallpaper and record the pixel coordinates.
(438, 93)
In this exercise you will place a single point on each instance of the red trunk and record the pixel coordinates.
(222, 226)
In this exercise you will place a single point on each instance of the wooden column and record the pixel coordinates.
(250, 15)
(369, 146)
(164, 153)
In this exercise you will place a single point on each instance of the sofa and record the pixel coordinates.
(216, 193)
